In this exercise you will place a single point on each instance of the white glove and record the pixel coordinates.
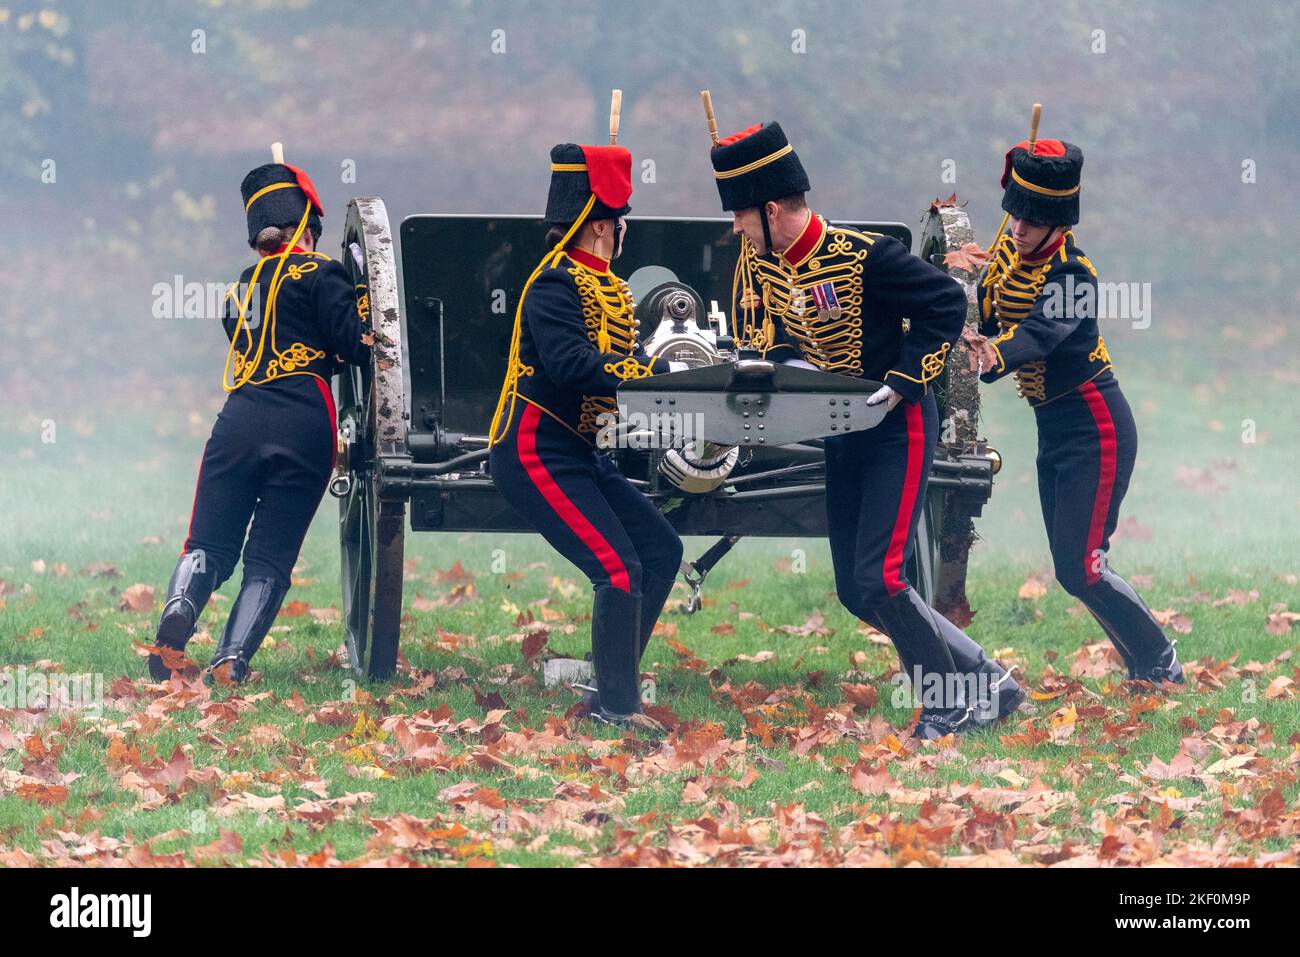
(674, 366)
(799, 364)
(885, 394)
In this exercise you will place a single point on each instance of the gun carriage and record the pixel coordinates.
(729, 448)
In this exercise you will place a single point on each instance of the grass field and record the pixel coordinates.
(786, 744)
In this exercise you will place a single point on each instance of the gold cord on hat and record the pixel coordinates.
(244, 369)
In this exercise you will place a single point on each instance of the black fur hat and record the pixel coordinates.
(578, 171)
(756, 166)
(1043, 186)
(276, 194)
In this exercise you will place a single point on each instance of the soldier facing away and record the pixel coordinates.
(1038, 322)
(840, 300)
(291, 319)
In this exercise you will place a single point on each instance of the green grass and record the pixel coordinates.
(116, 488)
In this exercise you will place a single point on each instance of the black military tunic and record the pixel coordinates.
(272, 448)
(859, 304)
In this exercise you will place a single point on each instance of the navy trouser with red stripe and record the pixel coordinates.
(876, 483)
(269, 459)
(580, 502)
(1087, 445)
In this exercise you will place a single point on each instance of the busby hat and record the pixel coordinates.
(756, 166)
(276, 194)
(579, 171)
(1041, 182)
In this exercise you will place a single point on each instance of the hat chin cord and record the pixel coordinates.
(767, 228)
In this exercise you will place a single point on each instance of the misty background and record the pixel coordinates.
(128, 125)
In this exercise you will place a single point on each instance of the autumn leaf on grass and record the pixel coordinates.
(873, 634)
(325, 616)
(1096, 660)
(688, 659)
(1032, 589)
(295, 609)
(970, 257)
(42, 793)
(1238, 597)
(227, 843)
(726, 628)
(173, 658)
(456, 574)
(1280, 687)
(1279, 623)
(1172, 618)
(1064, 721)
(534, 643)
(665, 629)
(814, 625)
(168, 775)
(862, 697)
(138, 598)
(459, 595)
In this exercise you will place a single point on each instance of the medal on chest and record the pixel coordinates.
(826, 300)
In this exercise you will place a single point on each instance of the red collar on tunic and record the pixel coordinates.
(1049, 252)
(806, 242)
(296, 249)
(590, 260)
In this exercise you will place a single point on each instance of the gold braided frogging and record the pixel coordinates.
(505, 409)
(297, 354)
(1012, 287)
(831, 344)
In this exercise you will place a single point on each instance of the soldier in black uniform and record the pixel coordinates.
(574, 342)
(861, 305)
(291, 318)
(1038, 322)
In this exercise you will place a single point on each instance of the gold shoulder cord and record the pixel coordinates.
(505, 409)
(298, 354)
(744, 278)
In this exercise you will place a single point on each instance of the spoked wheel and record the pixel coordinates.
(372, 433)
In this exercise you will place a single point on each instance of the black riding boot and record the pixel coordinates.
(615, 659)
(654, 593)
(187, 595)
(911, 626)
(1132, 628)
(997, 695)
(250, 619)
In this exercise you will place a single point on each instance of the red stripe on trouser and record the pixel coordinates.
(329, 404)
(907, 502)
(563, 506)
(1105, 478)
